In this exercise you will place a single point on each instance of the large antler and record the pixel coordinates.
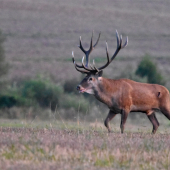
(93, 68)
(87, 53)
(119, 47)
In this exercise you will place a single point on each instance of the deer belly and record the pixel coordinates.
(115, 109)
(141, 108)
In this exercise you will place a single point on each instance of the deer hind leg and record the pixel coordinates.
(166, 112)
(109, 117)
(124, 115)
(154, 121)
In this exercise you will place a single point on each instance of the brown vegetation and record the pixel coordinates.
(79, 148)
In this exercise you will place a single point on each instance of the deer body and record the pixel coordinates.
(123, 96)
(134, 96)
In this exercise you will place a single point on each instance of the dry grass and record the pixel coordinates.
(80, 146)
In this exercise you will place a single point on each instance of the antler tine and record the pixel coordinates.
(107, 52)
(82, 71)
(81, 47)
(91, 67)
(87, 53)
(126, 43)
(97, 40)
(119, 47)
(79, 66)
(108, 59)
(76, 65)
(91, 45)
(73, 57)
(95, 66)
(118, 39)
(85, 66)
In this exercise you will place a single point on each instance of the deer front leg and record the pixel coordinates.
(109, 117)
(124, 114)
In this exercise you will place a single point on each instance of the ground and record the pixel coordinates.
(75, 145)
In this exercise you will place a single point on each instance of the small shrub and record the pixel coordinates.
(147, 68)
(7, 101)
(46, 94)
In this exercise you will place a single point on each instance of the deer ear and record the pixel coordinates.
(100, 73)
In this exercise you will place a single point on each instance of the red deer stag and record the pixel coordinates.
(123, 95)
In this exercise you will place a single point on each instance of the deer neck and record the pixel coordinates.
(103, 89)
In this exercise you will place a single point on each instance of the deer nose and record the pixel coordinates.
(78, 87)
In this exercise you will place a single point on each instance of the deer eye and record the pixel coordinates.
(90, 79)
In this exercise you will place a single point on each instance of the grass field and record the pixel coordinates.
(40, 36)
(72, 145)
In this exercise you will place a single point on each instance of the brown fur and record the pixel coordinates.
(124, 96)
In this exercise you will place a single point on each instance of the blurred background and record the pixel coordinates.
(37, 37)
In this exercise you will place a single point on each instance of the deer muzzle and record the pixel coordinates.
(80, 89)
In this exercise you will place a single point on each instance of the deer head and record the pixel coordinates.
(92, 80)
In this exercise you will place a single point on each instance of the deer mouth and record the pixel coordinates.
(82, 90)
(89, 91)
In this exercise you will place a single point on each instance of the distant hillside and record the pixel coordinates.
(42, 34)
